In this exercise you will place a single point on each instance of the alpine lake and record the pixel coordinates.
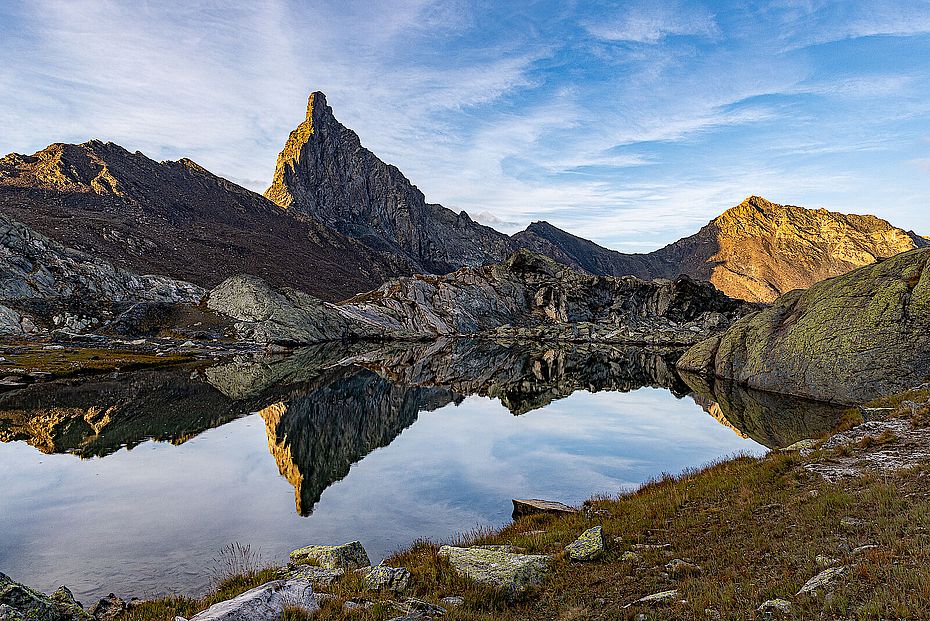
(134, 482)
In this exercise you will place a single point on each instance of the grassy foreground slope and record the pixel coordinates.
(758, 528)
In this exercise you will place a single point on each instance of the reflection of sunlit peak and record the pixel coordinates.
(713, 408)
(280, 449)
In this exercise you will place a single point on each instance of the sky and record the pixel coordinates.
(629, 123)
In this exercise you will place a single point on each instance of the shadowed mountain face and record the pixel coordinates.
(179, 220)
(324, 172)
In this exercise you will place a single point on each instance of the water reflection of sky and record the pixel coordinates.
(149, 520)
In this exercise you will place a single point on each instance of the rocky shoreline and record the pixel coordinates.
(323, 576)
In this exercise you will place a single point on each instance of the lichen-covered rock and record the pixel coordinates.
(589, 546)
(848, 339)
(502, 570)
(382, 578)
(267, 315)
(263, 603)
(662, 597)
(317, 576)
(823, 581)
(19, 602)
(775, 607)
(350, 555)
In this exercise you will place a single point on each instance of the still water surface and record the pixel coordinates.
(349, 454)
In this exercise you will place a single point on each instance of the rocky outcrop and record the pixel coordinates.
(19, 602)
(530, 295)
(288, 316)
(526, 296)
(180, 220)
(46, 285)
(325, 172)
(848, 339)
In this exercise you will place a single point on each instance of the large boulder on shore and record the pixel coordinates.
(350, 555)
(266, 315)
(847, 339)
(498, 568)
(263, 603)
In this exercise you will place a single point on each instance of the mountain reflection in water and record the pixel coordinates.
(326, 408)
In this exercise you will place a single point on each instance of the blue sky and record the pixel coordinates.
(631, 123)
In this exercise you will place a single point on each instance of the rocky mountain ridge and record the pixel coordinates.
(526, 296)
(178, 219)
(325, 172)
(755, 251)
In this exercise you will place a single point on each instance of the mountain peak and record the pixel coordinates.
(316, 102)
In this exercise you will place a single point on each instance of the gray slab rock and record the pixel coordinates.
(263, 603)
(502, 570)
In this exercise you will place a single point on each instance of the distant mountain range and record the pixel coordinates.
(337, 221)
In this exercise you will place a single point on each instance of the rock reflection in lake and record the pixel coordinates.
(383, 444)
(774, 421)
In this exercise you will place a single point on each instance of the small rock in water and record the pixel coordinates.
(382, 577)
(532, 506)
(108, 608)
(350, 555)
(588, 546)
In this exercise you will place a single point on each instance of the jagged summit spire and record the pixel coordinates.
(316, 101)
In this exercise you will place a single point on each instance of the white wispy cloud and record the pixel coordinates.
(650, 22)
(630, 125)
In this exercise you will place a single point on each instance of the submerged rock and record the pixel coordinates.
(502, 570)
(21, 603)
(588, 546)
(263, 603)
(350, 555)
